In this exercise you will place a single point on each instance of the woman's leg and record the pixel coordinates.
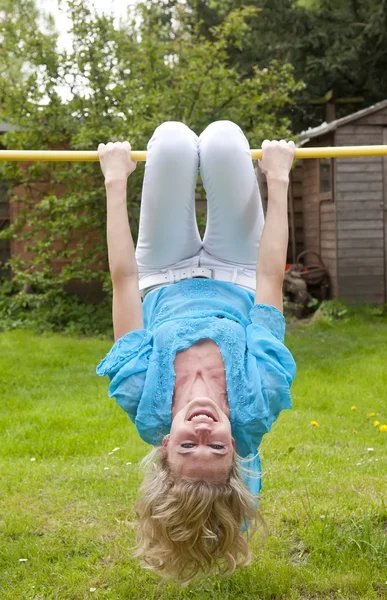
(235, 215)
(168, 232)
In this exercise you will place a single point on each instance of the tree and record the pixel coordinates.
(122, 82)
(27, 40)
(337, 47)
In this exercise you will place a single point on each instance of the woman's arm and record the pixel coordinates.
(122, 260)
(116, 165)
(276, 163)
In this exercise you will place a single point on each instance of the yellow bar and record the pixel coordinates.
(333, 152)
(59, 155)
(140, 155)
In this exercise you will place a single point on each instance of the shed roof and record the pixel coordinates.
(325, 127)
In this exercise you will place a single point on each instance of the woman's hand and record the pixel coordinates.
(115, 161)
(277, 159)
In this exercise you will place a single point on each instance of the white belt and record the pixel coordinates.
(176, 275)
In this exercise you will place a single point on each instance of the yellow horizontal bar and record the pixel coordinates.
(60, 155)
(341, 151)
(140, 155)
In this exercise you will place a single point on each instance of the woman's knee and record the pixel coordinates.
(173, 137)
(174, 131)
(222, 137)
(172, 127)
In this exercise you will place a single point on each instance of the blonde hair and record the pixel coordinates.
(187, 526)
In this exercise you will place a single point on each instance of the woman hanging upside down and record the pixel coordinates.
(199, 362)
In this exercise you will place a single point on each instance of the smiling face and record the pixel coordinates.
(200, 445)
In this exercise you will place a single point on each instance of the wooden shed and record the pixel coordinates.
(344, 206)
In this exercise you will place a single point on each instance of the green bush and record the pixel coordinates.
(53, 311)
(332, 311)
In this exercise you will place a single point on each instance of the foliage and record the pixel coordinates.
(23, 53)
(121, 83)
(337, 47)
(332, 311)
(53, 310)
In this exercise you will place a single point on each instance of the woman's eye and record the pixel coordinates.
(191, 445)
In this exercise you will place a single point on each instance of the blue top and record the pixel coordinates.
(259, 368)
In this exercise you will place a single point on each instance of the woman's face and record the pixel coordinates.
(200, 444)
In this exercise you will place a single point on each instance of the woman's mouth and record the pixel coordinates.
(202, 416)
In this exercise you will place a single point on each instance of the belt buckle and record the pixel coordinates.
(189, 273)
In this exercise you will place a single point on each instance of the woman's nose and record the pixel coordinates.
(202, 429)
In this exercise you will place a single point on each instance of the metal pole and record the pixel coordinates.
(140, 155)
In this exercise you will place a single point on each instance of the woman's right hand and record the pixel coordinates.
(115, 160)
(277, 159)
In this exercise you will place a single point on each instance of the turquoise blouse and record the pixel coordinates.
(259, 368)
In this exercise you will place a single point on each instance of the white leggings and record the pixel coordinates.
(168, 233)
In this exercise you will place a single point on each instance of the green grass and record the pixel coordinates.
(69, 511)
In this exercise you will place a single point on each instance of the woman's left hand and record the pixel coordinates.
(277, 159)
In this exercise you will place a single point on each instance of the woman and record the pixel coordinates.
(200, 366)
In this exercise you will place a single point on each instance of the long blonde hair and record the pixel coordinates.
(187, 526)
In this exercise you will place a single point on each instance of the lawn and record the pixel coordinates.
(69, 474)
